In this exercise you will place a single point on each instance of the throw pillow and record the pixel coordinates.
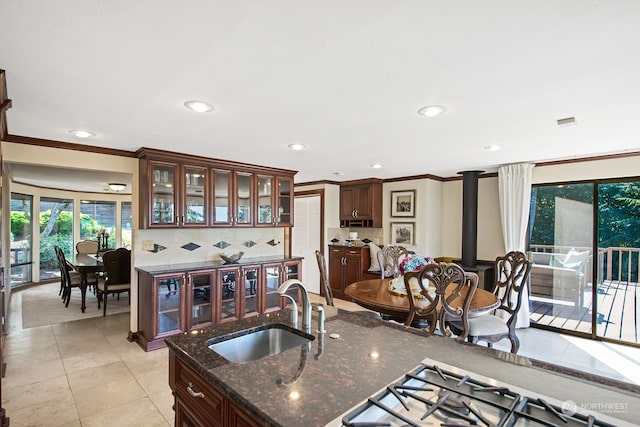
(575, 259)
(374, 265)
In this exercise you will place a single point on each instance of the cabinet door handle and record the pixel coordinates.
(193, 393)
(356, 213)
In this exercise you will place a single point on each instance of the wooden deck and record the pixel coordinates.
(617, 316)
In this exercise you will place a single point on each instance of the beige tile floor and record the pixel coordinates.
(86, 373)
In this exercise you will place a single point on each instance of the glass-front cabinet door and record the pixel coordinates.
(251, 279)
(201, 298)
(243, 197)
(272, 274)
(264, 190)
(168, 290)
(284, 202)
(222, 200)
(228, 294)
(194, 196)
(163, 194)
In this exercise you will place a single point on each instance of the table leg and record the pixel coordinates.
(83, 290)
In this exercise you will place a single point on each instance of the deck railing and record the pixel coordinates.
(614, 263)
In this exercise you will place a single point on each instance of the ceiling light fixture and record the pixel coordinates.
(114, 186)
(199, 106)
(492, 147)
(432, 110)
(569, 121)
(82, 133)
(376, 166)
(296, 147)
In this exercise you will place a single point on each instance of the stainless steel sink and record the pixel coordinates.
(259, 343)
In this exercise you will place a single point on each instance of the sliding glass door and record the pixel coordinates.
(618, 295)
(560, 245)
(21, 238)
(584, 243)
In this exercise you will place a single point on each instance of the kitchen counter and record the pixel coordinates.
(206, 265)
(338, 374)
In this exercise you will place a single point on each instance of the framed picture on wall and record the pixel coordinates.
(402, 233)
(403, 204)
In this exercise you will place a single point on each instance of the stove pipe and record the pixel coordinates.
(469, 218)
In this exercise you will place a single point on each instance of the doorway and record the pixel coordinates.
(307, 236)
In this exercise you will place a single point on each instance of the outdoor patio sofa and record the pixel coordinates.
(559, 276)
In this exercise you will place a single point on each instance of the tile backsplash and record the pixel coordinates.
(176, 246)
(376, 235)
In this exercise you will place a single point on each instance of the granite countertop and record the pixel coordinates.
(337, 374)
(205, 265)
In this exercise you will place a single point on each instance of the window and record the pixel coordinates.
(56, 229)
(21, 238)
(125, 224)
(98, 218)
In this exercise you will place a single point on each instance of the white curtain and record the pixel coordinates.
(514, 193)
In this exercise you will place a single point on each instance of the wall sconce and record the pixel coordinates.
(114, 186)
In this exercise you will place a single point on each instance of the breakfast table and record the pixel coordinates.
(374, 294)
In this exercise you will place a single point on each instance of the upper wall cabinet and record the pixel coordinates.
(183, 191)
(361, 203)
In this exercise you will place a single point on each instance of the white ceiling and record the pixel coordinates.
(343, 77)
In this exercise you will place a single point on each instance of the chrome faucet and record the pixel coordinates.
(306, 303)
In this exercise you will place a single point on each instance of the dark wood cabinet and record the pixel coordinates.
(361, 204)
(198, 192)
(200, 404)
(197, 403)
(346, 265)
(177, 302)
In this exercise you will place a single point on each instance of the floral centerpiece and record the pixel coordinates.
(411, 262)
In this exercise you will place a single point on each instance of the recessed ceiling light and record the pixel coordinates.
(492, 147)
(376, 165)
(432, 110)
(81, 133)
(296, 147)
(199, 106)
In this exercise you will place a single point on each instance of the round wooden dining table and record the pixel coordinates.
(374, 294)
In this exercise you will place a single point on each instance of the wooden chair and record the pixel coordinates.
(440, 286)
(68, 278)
(87, 247)
(389, 258)
(512, 273)
(324, 278)
(117, 266)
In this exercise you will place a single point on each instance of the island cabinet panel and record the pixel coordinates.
(361, 204)
(197, 403)
(177, 190)
(346, 265)
(239, 418)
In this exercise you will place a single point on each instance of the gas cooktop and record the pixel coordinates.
(437, 394)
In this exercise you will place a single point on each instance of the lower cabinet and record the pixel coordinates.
(346, 265)
(200, 404)
(172, 303)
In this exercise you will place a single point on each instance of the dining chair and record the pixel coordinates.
(87, 247)
(117, 267)
(90, 247)
(511, 272)
(324, 278)
(440, 293)
(68, 278)
(389, 259)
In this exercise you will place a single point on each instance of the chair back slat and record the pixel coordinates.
(389, 259)
(440, 286)
(512, 272)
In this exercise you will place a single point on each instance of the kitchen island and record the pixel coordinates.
(316, 384)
